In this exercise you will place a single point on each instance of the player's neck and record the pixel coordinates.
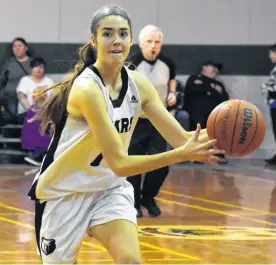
(110, 73)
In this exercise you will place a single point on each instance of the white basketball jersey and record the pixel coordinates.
(74, 162)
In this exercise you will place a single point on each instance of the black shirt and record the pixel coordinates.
(200, 95)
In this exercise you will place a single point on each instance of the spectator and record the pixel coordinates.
(14, 69)
(27, 85)
(177, 110)
(203, 93)
(269, 90)
(32, 140)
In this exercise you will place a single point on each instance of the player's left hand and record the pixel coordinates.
(171, 99)
(203, 136)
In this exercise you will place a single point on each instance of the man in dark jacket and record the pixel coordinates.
(203, 93)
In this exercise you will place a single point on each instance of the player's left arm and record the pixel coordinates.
(161, 119)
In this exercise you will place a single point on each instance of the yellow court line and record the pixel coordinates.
(166, 250)
(251, 214)
(100, 251)
(22, 260)
(32, 227)
(97, 246)
(3, 205)
(150, 251)
(215, 211)
(37, 260)
(16, 222)
(33, 251)
(217, 202)
(82, 260)
(8, 214)
(167, 259)
(14, 252)
(99, 260)
(89, 244)
(102, 248)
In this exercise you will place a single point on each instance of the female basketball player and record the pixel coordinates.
(81, 186)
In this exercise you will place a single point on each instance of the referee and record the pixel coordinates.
(160, 70)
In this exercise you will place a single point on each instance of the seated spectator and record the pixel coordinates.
(32, 139)
(13, 70)
(269, 91)
(28, 84)
(177, 110)
(203, 93)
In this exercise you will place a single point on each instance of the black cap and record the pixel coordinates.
(272, 48)
(215, 64)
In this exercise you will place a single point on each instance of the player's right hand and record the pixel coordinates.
(195, 150)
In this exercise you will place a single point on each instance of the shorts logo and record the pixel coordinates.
(48, 246)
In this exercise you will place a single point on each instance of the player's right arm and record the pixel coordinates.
(87, 97)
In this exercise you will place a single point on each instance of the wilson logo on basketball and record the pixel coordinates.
(247, 123)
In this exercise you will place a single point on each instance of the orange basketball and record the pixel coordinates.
(238, 126)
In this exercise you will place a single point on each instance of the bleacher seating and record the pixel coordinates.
(10, 145)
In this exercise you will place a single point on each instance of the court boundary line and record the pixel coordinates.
(201, 208)
(96, 246)
(217, 202)
(11, 221)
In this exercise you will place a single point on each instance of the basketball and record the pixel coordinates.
(238, 126)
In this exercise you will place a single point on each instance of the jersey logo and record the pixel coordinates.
(133, 99)
(48, 246)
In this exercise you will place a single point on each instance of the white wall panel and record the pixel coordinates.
(76, 16)
(205, 22)
(34, 20)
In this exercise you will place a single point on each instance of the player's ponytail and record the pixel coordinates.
(54, 108)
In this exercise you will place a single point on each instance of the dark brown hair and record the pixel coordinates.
(56, 106)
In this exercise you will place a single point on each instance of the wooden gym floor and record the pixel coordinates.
(210, 216)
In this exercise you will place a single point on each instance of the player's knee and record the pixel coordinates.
(58, 259)
(130, 259)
